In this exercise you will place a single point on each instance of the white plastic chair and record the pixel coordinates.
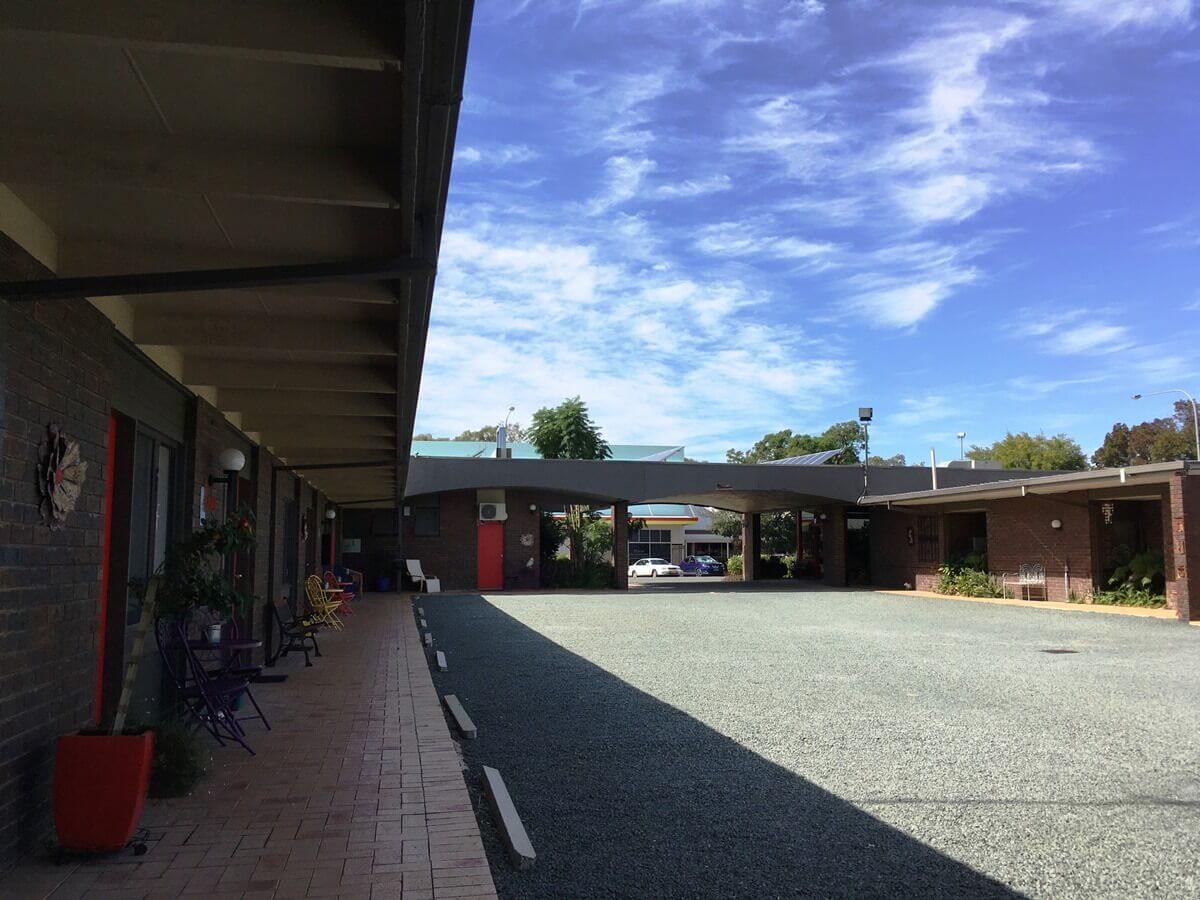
(427, 582)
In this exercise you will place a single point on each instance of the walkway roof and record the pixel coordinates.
(733, 486)
(253, 192)
(1121, 478)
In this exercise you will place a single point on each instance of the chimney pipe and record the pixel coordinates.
(933, 466)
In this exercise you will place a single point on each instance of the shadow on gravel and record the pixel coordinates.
(625, 796)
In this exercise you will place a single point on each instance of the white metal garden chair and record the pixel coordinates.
(1029, 579)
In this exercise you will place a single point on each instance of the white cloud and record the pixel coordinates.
(922, 410)
(623, 180)
(757, 238)
(943, 198)
(694, 187)
(495, 155)
(1073, 332)
(1111, 15)
(529, 316)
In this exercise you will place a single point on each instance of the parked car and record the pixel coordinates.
(702, 565)
(653, 567)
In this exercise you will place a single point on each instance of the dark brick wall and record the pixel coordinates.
(1019, 531)
(1183, 569)
(894, 562)
(57, 358)
(833, 545)
(451, 555)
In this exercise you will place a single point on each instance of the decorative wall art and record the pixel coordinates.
(61, 474)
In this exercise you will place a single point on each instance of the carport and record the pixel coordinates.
(830, 494)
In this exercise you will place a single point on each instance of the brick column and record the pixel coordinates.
(620, 550)
(1183, 557)
(751, 545)
(833, 545)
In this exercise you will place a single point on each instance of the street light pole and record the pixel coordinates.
(1191, 399)
(961, 452)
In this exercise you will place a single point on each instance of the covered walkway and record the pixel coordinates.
(356, 792)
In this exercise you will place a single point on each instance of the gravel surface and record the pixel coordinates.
(823, 743)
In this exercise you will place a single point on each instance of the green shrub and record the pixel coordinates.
(733, 565)
(1128, 595)
(960, 581)
(772, 567)
(1143, 571)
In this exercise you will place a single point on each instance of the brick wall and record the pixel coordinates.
(894, 562)
(833, 545)
(1019, 531)
(523, 524)
(56, 363)
(452, 554)
(1183, 548)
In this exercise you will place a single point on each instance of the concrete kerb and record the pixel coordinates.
(1136, 611)
(440, 659)
(516, 839)
(459, 714)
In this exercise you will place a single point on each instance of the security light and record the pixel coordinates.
(865, 413)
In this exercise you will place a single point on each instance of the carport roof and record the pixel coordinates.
(1056, 483)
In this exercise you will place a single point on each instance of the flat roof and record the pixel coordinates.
(1052, 483)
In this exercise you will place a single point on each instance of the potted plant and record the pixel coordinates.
(101, 776)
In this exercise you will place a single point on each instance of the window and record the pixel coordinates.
(427, 517)
(927, 539)
(151, 513)
(650, 542)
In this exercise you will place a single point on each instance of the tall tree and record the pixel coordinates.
(1033, 451)
(567, 431)
(782, 444)
(896, 460)
(1156, 440)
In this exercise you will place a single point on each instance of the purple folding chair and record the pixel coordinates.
(206, 699)
(231, 665)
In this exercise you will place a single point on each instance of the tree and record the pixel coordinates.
(1157, 440)
(1033, 451)
(782, 444)
(515, 433)
(728, 524)
(897, 460)
(566, 431)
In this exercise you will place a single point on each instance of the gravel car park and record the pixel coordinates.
(729, 743)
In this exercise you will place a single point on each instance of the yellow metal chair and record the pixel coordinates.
(324, 608)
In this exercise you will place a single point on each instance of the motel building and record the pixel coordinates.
(473, 520)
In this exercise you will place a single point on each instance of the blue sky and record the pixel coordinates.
(713, 220)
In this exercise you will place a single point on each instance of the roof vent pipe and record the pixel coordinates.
(933, 466)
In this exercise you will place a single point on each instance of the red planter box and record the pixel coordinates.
(100, 784)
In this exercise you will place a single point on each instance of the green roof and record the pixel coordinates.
(486, 450)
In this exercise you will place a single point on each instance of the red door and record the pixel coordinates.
(491, 556)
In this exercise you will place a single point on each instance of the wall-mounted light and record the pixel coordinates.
(1056, 524)
(231, 461)
(823, 516)
(330, 513)
(533, 507)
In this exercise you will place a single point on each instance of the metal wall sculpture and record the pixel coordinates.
(61, 474)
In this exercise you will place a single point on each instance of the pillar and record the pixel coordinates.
(833, 545)
(620, 550)
(1183, 548)
(751, 545)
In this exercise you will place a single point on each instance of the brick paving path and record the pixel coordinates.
(357, 792)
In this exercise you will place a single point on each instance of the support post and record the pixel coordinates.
(1183, 557)
(833, 545)
(620, 550)
(751, 545)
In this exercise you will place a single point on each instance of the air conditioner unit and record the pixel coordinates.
(492, 512)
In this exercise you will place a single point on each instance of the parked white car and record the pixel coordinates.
(653, 567)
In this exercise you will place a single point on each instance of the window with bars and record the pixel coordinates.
(927, 539)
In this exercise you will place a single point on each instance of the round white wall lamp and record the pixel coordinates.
(1056, 524)
(232, 460)
(533, 507)
(331, 513)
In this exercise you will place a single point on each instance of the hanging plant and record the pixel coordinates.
(191, 575)
(61, 474)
